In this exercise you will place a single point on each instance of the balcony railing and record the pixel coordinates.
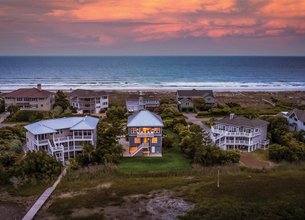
(140, 134)
(84, 137)
(240, 134)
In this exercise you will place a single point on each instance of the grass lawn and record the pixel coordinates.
(260, 154)
(171, 160)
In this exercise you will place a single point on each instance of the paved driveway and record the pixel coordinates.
(191, 117)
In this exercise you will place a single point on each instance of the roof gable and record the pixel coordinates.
(300, 114)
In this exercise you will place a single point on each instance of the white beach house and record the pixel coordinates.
(237, 132)
(62, 137)
(296, 120)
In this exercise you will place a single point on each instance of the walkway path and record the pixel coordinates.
(44, 197)
(191, 117)
(3, 116)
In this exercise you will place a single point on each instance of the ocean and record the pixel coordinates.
(154, 72)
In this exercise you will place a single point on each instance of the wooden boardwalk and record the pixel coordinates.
(43, 198)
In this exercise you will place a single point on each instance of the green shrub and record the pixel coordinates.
(26, 116)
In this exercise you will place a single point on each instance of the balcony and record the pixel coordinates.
(83, 138)
(141, 134)
(234, 134)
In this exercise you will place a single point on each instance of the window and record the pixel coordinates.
(105, 103)
(105, 97)
(134, 130)
(154, 140)
(157, 130)
(137, 140)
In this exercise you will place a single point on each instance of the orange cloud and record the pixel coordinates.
(109, 10)
(283, 8)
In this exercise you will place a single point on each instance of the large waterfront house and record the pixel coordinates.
(30, 99)
(237, 132)
(296, 120)
(88, 101)
(185, 98)
(62, 137)
(134, 105)
(145, 134)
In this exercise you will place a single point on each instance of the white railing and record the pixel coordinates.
(240, 134)
(84, 137)
(140, 134)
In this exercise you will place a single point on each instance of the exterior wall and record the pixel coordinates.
(257, 138)
(90, 104)
(295, 124)
(153, 147)
(28, 103)
(68, 143)
(186, 101)
(133, 106)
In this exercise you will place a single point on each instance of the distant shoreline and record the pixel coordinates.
(170, 90)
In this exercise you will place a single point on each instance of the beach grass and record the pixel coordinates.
(243, 194)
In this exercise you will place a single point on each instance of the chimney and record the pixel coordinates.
(231, 116)
(39, 87)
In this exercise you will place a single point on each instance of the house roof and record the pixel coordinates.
(86, 93)
(242, 121)
(52, 125)
(195, 92)
(31, 93)
(144, 118)
(299, 113)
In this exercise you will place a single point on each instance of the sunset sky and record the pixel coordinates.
(156, 27)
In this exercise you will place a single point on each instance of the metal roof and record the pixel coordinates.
(52, 125)
(144, 118)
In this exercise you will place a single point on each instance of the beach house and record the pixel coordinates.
(237, 132)
(30, 99)
(140, 103)
(62, 138)
(145, 134)
(185, 98)
(296, 120)
(88, 101)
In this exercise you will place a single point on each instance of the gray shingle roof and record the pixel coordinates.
(86, 93)
(242, 121)
(195, 92)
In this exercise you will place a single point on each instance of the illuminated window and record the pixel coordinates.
(137, 140)
(154, 140)
(157, 130)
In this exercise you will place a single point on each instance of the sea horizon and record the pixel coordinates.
(220, 73)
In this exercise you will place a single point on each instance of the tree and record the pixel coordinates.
(39, 165)
(61, 100)
(168, 141)
(199, 103)
(278, 127)
(2, 106)
(115, 113)
(12, 109)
